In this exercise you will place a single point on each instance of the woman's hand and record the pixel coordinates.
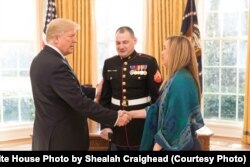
(157, 147)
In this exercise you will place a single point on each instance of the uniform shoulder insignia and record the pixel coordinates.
(157, 77)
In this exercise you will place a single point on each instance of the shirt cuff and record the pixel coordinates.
(117, 118)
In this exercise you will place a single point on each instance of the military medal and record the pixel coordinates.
(132, 70)
(145, 70)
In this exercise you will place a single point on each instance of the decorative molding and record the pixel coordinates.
(97, 143)
(14, 132)
(226, 129)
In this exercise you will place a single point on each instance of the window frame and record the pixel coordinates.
(225, 128)
(24, 130)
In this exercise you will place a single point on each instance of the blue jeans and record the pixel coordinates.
(114, 147)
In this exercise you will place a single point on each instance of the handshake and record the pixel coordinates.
(124, 117)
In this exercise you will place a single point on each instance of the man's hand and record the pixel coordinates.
(98, 91)
(105, 133)
(123, 118)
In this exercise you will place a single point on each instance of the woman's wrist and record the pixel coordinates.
(131, 113)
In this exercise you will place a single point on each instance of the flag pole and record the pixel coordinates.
(192, 13)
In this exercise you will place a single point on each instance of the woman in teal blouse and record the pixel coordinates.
(172, 121)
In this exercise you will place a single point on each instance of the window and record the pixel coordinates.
(109, 17)
(224, 59)
(17, 48)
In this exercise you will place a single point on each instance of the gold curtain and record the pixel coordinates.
(163, 18)
(83, 60)
(246, 128)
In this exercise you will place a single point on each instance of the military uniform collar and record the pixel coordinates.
(132, 55)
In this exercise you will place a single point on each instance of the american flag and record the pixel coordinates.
(190, 29)
(50, 15)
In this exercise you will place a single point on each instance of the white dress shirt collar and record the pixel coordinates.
(56, 49)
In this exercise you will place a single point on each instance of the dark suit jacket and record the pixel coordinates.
(61, 107)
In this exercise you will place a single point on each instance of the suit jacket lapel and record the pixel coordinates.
(65, 61)
(71, 70)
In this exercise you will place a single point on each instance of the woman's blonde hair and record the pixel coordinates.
(181, 54)
(60, 26)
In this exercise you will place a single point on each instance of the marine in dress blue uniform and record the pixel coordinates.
(130, 83)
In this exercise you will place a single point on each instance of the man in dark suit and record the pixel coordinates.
(131, 81)
(61, 106)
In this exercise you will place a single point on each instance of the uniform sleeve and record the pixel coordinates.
(153, 84)
(105, 99)
(175, 131)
